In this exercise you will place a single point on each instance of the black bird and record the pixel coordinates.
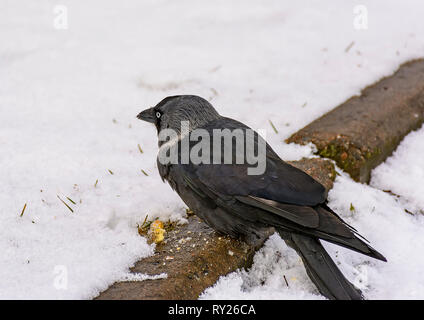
(283, 199)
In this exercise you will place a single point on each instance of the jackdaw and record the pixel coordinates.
(281, 199)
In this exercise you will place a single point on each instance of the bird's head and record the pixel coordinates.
(171, 111)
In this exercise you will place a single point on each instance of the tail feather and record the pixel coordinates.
(342, 233)
(322, 270)
(353, 243)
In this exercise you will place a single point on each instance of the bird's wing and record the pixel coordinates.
(302, 215)
(282, 189)
(318, 221)
(280, 182)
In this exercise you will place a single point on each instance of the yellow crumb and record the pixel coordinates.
(157, 231)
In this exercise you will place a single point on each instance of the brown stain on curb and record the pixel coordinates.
(362, 132)
(194, 256)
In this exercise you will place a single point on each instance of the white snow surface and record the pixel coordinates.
(68, 101)
(403, 173)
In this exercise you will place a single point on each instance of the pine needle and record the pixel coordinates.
(65, 203)
(273, 127)
(407, 211)
(144, 227)
(23, 210)
(71, 200)
(349, 46)
(139, 148)
(145, 219)
(286, 280)
(145, 173)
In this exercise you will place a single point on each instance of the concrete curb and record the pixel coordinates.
(194, 256)
(362, 132)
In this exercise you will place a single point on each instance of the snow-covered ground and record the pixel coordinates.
(68, 100)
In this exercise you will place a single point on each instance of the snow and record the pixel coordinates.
(68, 101)
(142, 277)
(403, 173)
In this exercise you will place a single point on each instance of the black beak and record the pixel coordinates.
(147, 115)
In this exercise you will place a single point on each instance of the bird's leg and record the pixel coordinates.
(257, 239)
